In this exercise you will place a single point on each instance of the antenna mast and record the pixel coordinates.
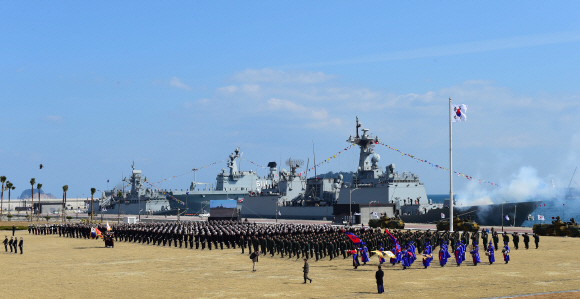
(572, 178)
(314, 159)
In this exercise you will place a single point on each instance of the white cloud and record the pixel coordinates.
(514, 42)
(299, 110)
(53, 118)
(176, 82)
(497, 117)
(190, 104)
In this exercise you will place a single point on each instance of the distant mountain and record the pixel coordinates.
(26, 194)
(346, 176)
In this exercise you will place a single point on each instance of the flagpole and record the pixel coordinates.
(450, 171)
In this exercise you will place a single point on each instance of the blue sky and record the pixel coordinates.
(86, 88)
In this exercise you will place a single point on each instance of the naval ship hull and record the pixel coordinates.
(196, 201)
(265, 207)
(486, 215)
(132, 207)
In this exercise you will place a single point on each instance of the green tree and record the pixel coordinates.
(3, 180)
(32, 182)
(9, 187)
(38, 186)
(64, 190)
(93, 190)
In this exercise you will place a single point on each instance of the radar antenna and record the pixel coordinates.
(358, 125)
(294, 164)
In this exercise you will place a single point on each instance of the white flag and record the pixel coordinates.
(280, 214)
(458, 113)
(540, 217)
(442, 215)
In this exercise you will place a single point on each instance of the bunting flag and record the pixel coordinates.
(327, 160)
(439, 167)
(194, 169)
(166, 194)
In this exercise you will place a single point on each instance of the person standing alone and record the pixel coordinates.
(254, 256)
(306, 269)
(379, 276)
(20, 244)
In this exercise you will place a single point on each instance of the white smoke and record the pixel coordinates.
(525, 185)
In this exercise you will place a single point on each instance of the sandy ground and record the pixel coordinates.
(55, 267)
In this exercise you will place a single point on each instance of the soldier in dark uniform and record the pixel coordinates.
(536, 239)
(526, 241)
(5, 242)
(495, 240)
(516, 239)
(484, 237)
(10, 243)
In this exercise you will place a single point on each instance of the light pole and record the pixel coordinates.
(350, 205)
(515, 206)
(502, 215)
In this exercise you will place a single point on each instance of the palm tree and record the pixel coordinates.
(9, 187)
(3, 180)
(64, 190)
(32, 182)
(38, 186)
(93, 190)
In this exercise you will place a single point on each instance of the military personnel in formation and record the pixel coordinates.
(495, 240)
(526, 240)
(516, 239)
(536, 239)
(484, 237)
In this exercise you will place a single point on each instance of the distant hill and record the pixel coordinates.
(26, 194)
(346, 176)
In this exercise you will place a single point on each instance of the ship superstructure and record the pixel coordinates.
(231, 183)
(371, 185)
(136, 200)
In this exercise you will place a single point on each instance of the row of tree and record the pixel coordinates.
(7, 185)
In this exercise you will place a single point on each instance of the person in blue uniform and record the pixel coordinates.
(412, 251)
(490, 253)
(364, 254)
(397, 254)
(381, 249)
(443, 253)
(506, 252)
(459, 254)
(427, 251)
(475, 254)
(406, 257)
(355, 262)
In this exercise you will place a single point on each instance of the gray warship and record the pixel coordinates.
(232, 184)
(294, 196)
(319, 198)
(137, 200)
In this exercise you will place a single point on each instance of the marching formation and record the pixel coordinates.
(307, 241)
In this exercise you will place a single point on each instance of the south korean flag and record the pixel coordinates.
(458, 113)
